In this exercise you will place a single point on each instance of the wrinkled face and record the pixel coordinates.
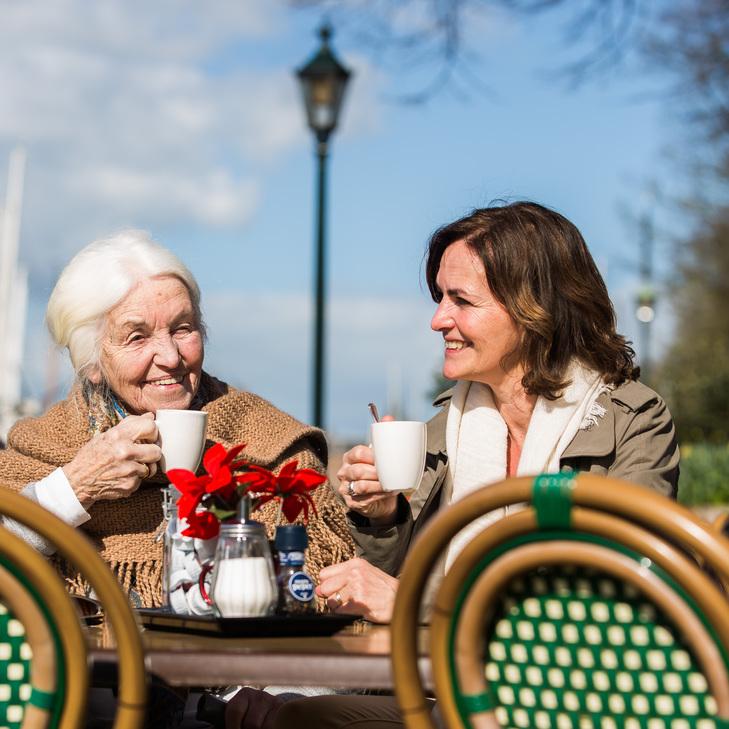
(477, 329)
(152, 347)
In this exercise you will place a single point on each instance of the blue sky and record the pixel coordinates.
(186, 121)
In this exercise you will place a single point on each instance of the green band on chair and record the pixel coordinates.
(552, 499)
(41, 699)
(474, 703)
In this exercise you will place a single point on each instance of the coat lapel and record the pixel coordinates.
(598, 440)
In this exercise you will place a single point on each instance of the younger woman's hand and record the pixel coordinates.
(360, 489)
(358, 588)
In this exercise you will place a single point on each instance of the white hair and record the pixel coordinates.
(96, 279)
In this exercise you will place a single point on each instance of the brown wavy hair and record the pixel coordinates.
(539, 268)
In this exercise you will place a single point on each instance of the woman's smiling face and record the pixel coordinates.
(477, 329)
(152, 347)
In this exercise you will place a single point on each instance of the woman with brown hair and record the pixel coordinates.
(544, 383)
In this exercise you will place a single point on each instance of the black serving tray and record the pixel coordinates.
(90, 610)
(305, 625)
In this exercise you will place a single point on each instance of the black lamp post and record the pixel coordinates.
(645, 302)
(323, 81)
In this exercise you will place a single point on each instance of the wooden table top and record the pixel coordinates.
(356, 657)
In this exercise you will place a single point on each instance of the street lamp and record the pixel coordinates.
(645, 303)
(323, 82)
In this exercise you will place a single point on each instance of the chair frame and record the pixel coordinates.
(79, 551)
(599, 506)
(53, 633)
(720, 521)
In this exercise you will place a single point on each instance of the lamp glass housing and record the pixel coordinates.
(323, 83)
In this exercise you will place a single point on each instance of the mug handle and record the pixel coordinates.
(201, 581)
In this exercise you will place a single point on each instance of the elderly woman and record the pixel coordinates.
(128, 311)
(544, 384)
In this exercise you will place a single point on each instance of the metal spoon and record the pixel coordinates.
(373, 410)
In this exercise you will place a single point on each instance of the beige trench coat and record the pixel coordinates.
(634, 441)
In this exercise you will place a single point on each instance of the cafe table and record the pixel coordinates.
(355, 657)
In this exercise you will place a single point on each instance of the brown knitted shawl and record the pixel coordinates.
(125, 530)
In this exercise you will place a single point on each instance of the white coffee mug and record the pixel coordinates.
(181, 438)
(399, 447)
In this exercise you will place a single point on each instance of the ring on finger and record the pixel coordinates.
(350, 489)
(337, 597)
(149, 471)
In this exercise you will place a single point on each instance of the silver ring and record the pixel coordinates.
(338, 598)
(350, 489)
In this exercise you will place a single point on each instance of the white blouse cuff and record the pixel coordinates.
(55, 493)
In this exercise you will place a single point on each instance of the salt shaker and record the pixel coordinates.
(244, 582)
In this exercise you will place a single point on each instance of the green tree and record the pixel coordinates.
(694, 376)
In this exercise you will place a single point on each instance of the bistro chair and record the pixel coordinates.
(582, 609)
(44, 672)
(720, 523)
(34, 637)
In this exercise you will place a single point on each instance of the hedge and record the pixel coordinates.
(704, 474)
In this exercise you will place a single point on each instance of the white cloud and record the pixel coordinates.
(133, 114)
(215, 199)
(125, 122)
(163, 29)
(143, 114)
(137, 113)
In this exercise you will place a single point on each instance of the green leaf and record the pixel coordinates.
(221, 514)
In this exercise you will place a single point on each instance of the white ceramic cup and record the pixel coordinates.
(399, 447)
(181, 438)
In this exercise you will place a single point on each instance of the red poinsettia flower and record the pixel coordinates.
(191, 487)
(217, 459)
(220, 489)
(219, 464)
(202, 525)
(291, 487)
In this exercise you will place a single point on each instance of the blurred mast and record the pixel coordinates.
(13, 295)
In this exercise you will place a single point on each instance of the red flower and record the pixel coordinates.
(191, 487)
(217, 458)
(291, 487)
(218, 490)
(219, 464)
(202, 524)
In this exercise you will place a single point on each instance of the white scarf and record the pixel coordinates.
(476, 439)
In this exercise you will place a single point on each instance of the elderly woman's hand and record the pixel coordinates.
(113, 464)
(361, 490)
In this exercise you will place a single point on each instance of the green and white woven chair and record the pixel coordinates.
(44, 672)
(582, 609)
(33, 680)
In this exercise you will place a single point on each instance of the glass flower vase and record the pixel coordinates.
(185, 561)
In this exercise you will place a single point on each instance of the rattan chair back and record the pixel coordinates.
(582, 609)
(37, 635)
(60, 700)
